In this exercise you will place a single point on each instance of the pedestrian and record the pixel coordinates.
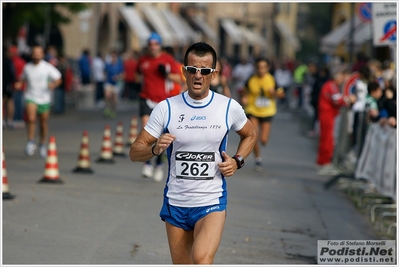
(155, 68)
(259, 100)
(19, 63)
(329, 104)
(323, 75)
(85, 68)
(59, 92)
(284, 80)
(114, 84)
(374, 93)
(99, 79)
(8, 80)
(219, 83)
(240, 74)
(299, 80)
(361, 60)
(193, 128)
(360, 90)
(41, 77)
(388, 102)
(52, 55)
(226, 69)
(131, 90)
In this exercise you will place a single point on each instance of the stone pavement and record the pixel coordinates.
(111, 216)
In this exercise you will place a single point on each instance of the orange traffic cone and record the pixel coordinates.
(118, 145)
(51, 173)
(106, 149)
(133, 131)
(6, 193)
(84, 156)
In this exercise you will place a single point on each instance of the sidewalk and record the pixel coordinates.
(111, 216)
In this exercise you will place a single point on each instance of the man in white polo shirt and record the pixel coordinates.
(41, 77)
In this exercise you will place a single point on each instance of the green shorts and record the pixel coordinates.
(40, 108)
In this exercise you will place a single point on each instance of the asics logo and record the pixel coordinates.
(198, 118)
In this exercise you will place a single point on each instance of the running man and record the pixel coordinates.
(259, 99)
(193, 128)
(41, 77)
(156, 70)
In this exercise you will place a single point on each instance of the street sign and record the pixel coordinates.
(364, 12)
(384, 24)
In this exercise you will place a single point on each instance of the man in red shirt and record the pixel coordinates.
(330, 101)
(19, 64)
(131, 91)
(156, 68)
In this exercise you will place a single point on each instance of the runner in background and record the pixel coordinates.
(259, 100)
(99, 79)
(155, 69)
(41, 77)
(113, 85)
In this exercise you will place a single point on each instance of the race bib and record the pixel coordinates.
(262, 102)
(195, 165)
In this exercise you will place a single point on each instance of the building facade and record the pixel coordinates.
(246, 29)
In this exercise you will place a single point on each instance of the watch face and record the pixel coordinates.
(239, 160)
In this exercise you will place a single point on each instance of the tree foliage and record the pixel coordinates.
(320, 13)
(36, 14)
(319, 19)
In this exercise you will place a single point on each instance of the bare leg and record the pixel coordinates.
(180, 244)
(31, 110)
(198, 246)
(207, 235)
(43, 118)
(265, 132)
(255, 123)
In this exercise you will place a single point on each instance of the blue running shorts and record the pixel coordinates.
(186, 218)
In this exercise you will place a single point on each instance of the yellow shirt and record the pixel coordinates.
(261, 103)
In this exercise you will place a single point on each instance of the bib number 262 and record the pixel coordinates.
(195, 167)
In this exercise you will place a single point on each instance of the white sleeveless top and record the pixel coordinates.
(201, 128)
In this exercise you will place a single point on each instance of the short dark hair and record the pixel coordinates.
(201, 49)
(372, 87)
(365, 71)
(260, 59)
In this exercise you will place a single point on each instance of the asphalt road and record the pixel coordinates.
(111, 216)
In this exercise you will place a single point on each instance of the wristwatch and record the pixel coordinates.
(239, 160)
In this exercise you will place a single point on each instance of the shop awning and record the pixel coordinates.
(361, 34)
(155, 18)
(136, 24)
(194, 36)
(205, 28)
(232, 30)
(253, 38)
(287, 34)
(175, 24)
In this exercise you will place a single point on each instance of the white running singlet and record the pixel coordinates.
(201, 128)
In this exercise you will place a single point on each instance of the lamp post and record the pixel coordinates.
(351, 31)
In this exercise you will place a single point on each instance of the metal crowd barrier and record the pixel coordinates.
(377, 162)
(371, 181)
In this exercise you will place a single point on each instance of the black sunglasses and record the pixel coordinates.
(203, 71)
